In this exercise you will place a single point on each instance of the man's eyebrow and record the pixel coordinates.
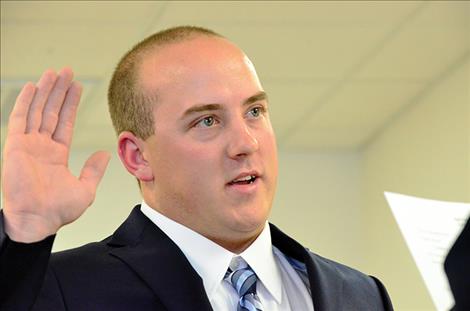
(199, 108)
(257, 97)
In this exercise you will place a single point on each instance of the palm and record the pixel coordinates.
(38, 165)
(38, 186)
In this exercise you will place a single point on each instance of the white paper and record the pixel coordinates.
(430, 228)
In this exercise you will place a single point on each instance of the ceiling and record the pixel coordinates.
(337, 72)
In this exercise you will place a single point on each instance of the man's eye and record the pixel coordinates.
(256, 111)
(206, 122)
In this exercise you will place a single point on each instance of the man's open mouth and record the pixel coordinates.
(244, 180)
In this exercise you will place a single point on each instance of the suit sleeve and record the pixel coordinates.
(23, 268)
(383, 294)
(457, 268)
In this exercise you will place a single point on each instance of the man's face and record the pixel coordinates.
(213, 154)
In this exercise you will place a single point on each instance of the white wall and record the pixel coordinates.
(425, 152)
(317, 203)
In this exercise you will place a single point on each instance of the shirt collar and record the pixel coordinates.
(197, 249)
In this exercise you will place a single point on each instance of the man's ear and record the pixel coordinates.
(131, 153)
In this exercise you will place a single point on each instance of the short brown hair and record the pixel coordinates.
(129, 105)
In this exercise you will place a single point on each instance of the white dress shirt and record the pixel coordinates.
(279, 287)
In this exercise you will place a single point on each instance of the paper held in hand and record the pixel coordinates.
(430, 228)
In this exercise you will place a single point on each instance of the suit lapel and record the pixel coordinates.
(325, 285)
(164, 268)
(160, 263)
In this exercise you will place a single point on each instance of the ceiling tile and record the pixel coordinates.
(424, 48)
(288, 14)
(28, 50)
(325, 139)
(288, 102)
(70, 12)
(365, 104)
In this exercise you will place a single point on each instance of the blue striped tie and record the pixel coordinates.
(243, 279)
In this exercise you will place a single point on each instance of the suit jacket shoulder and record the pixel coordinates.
(137, 268)
(334, 286)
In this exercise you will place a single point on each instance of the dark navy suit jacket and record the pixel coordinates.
(140, 268)
(457, 267)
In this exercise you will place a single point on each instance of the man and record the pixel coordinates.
(458, 271)
(194, 129)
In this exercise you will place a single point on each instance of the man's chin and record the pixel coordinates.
(250, 227)
(239, 240)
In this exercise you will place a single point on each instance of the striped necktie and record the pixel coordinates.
(243, 279)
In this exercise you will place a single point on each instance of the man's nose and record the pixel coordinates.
(241, 142)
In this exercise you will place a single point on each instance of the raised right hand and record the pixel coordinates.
(40, 194)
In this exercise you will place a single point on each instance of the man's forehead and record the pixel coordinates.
(190, 59)
(194, 50)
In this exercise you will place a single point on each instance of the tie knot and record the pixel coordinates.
(241, 276)
(238, 263)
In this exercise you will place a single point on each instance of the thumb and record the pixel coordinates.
(93, 170)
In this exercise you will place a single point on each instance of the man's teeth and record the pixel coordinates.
(246, 178)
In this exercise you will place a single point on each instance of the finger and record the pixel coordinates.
(64, 130)
(44, 86)
(50, 113)
(19, 114)
(93, 170)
